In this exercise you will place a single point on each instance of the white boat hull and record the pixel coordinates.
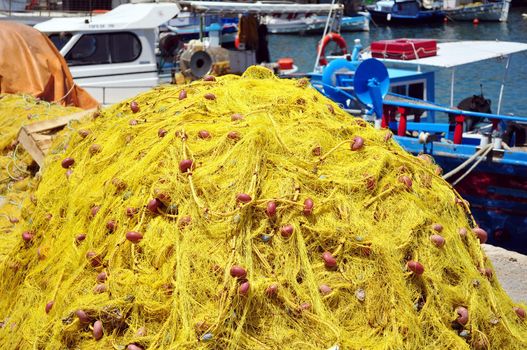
(314, 25)
(356, 24)
(111, 89)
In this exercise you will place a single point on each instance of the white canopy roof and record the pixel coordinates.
(127, 16)
(452, 54)
(217, 7)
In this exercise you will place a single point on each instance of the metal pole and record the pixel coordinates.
(503, 83)
(452, 87)
(319, 51)
(201, 27)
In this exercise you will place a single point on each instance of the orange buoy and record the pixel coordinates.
(285, 63)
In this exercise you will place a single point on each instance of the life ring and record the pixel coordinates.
(324, 42)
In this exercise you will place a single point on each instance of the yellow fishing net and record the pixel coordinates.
(247, 213)
(16, 165)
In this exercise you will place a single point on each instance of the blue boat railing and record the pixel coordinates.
(452, 131)
(429, 106)
(438, 108)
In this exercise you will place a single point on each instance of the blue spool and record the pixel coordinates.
(371, 83)
(333, 75)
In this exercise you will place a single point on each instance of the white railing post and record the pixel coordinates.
(503, 83)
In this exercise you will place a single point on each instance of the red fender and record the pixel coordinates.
(324, 42)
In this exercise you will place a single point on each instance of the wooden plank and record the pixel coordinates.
(44, 143)
(56, 122)
(39, 137)
(31, 146)
(36, 143)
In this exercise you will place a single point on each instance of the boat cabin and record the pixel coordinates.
(408, 12)
(415, 77)
(409, 8)
(113, 55)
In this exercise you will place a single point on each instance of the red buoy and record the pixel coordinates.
(475, 21)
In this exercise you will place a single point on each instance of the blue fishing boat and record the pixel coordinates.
(404, 12)
(482, 154)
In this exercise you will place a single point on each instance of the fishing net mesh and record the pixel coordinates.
(132, 248)
(15, 164)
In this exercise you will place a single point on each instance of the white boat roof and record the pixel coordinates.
(126, 16)
(453, 54)
(224, 8)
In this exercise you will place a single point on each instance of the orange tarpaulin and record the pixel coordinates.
(30, 64)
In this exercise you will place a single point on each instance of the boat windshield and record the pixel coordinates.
(60, 39)
(385, 6)
(104, 48)
(409, 8)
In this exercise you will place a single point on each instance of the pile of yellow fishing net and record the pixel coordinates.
(246, 213)
(16, 166)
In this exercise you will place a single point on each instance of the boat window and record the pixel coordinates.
(408, 8)
(125, 47)
(59, 40)
(400, 90)
(417, 90)
(104, 48)
(90, 49)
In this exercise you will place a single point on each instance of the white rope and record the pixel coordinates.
(67, 93)
(417, 55)
(467, 162)
(472, 167)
